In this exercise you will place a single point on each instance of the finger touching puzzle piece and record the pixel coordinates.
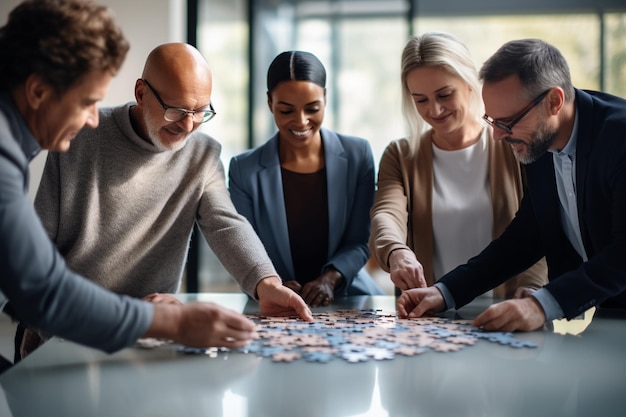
(362, 335)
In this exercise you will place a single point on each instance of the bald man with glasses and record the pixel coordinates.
(121, 204)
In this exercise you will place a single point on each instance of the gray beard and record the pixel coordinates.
(540, 142)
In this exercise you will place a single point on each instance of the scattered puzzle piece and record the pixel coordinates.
(318, 356)
(210, 351)
(355, 357)
(409, 350)
(151, 342)
(379, 353)
(462, 340)
(522, 343)
(361, 335)
(285, 356)
(446, 347)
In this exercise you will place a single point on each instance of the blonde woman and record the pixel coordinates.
(448, 189)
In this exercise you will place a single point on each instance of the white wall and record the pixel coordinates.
(146, 24)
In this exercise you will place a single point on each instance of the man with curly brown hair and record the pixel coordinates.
(58, 58)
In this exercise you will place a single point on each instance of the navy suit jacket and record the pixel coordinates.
(536, 229)
(256, 188)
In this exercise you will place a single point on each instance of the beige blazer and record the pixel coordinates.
(402, 211)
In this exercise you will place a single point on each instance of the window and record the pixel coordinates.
(360, 43)
(223, 39)
(615, 57)
(577, 36)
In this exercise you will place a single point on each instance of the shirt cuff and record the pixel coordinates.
(447, 296)
(551, 307)
(3, 301)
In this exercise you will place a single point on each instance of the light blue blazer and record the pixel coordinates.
(256, 188)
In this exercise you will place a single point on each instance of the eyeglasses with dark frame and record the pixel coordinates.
(176, 114)
(508, 127)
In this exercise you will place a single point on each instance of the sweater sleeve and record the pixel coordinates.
(47, 199)
(230, 235)
(389, 214)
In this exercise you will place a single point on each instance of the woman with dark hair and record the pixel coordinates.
(308, 191)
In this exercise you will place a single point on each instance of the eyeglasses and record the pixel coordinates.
(508, 127)
(175, 114)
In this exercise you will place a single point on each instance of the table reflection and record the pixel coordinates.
(569, 373)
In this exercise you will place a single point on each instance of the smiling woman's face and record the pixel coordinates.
(442, 99)
(298, 109)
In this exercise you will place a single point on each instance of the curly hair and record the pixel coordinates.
(61, 41)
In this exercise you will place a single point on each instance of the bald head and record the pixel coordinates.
(178, 68)
(175, 76)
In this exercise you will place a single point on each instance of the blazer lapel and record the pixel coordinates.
(542, 186)
(336, 183)
(583, 148)
(273, 201)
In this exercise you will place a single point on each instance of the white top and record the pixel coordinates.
(462, 211)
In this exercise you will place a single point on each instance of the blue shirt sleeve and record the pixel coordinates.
(43, 293)
(551, 308)
(447, 297)
(549, 304)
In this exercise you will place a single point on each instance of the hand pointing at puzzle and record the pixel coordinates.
(320, 291)
(523, 314)
(201, 324)
(420, 301)
(405, 270)
(275, 299)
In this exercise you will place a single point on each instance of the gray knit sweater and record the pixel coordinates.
(121, 211)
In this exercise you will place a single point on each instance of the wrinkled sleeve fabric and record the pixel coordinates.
(514, 251)
(48, 198)
(230, 235)
(603, 195)
(389, 213)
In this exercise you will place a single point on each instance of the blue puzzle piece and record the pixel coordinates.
(379, 353)
(384, 344)
(350, 347)
(338, 329)
(522, 343)
(335, 341)
(267, 351)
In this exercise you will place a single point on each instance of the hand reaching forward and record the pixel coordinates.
(419, 301)
(523, 292)
(293, 285)
(201, 324)
(523, 314)
(161, 298)
(277, 300)
(405, 270)
(321, 291)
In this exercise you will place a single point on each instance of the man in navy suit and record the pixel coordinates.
(573, 143)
